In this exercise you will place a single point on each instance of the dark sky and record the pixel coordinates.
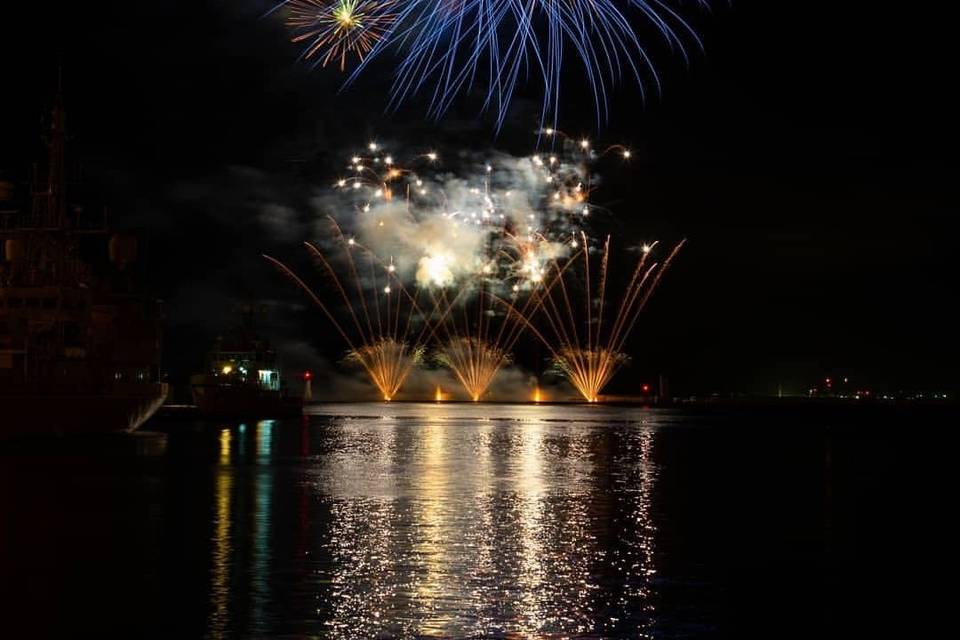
(809, 155)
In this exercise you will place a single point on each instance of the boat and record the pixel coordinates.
(79, 343)
(243, 377)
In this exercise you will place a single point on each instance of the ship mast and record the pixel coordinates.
(49, 197)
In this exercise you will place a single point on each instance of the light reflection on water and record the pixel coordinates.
(479, 521)
(440, 521)
(222, 551)
(262, 520)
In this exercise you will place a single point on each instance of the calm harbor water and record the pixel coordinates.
(376, 521)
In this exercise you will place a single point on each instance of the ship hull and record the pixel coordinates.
(45, 415)
(215, 401)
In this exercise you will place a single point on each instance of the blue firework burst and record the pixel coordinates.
(446, 47)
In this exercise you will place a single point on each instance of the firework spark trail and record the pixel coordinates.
(473, 363)
(451, 44)
(380, 335)
(590, 359)
(474, 349)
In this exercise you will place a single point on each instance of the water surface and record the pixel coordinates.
(401, 521)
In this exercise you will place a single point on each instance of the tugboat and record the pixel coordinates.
(243, 378)
(79, 345)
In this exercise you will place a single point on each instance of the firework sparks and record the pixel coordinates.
(475, 335)
(474, 363)
(588, 370)
(381, 316)
(333, 31)
(388, 363)
(450, 224)
(585, 349)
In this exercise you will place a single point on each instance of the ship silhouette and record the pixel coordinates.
(243, 376)
(79, 342)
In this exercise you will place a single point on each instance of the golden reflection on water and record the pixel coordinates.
(430, 521)
(222, 547)
(440, 528)
(529, 491)
(358, 580)
(637, 563)
(226, 437)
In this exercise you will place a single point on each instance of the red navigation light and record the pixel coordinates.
(645, 388)
(308, 375)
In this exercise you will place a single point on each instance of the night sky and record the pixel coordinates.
(809, 155)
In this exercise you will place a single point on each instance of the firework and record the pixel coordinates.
(388, 362)
(451, 221)
(449, 46)
(483, 253)
(588, 370)
(475, 335)
(479, 326)
(380, 328)
(474, 363)
(334, 30)
(587, 345)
